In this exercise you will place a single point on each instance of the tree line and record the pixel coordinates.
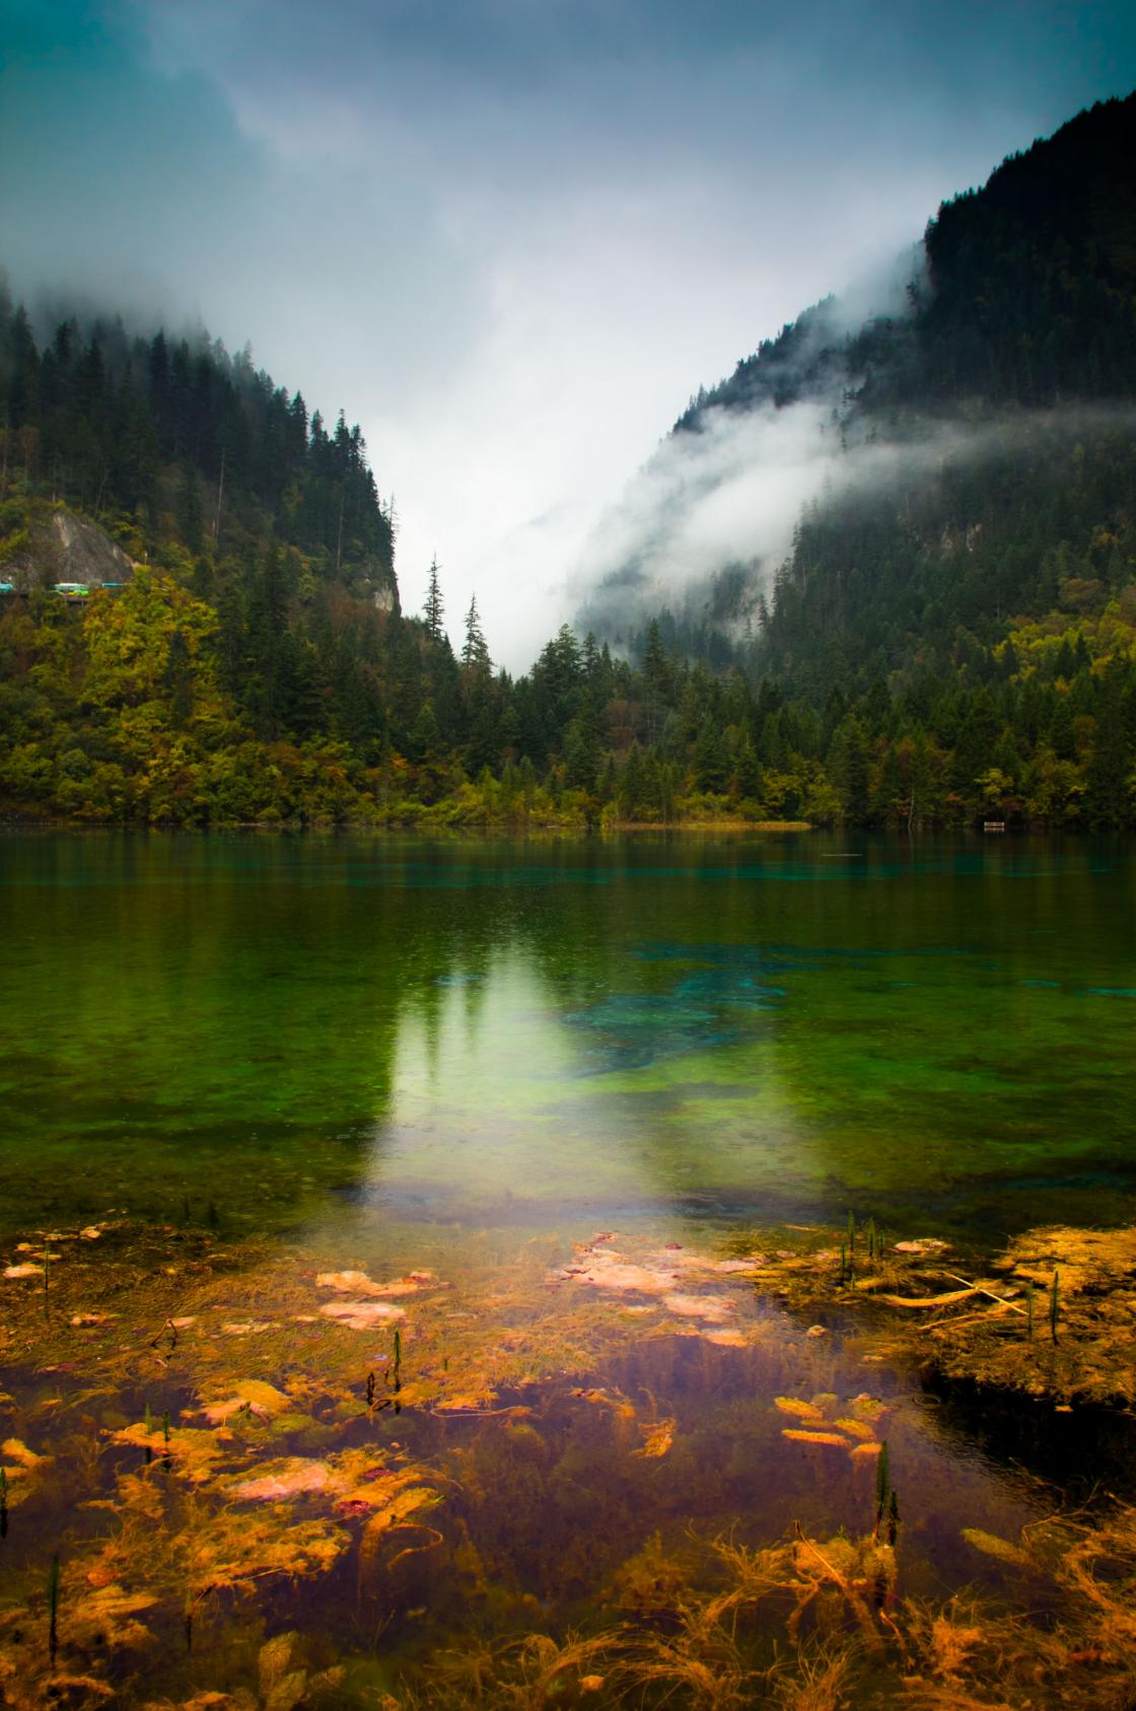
(160, 705)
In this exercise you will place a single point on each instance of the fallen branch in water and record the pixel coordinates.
(982, 1290)
(926, 1301)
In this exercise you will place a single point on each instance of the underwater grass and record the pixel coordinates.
(184, 1551)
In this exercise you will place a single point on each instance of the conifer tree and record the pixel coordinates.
(711, 758)
(475, 650)
(435, 606)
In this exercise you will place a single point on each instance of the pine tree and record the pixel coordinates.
(711, 758)
(631, 783)
(435, 606)
(1107, 798)
(581, 755)
(475, 651)
(747, 771)
(857, 804)
(655, 658)
(425, 738)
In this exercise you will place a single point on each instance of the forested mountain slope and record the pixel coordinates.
(1023, 293)
(951, 638)
(1013, 387)
(964, 586)
(177, 444)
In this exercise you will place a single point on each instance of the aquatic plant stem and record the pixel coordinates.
(883, 1484)
(53, 1608)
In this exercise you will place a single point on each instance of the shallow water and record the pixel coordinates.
(306, 1055)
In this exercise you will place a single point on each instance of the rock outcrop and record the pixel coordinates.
(63, 547)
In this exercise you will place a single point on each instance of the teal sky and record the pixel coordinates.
(509, 236)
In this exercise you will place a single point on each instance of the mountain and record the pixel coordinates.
(200, 622)
(231, 647)
(1012, 388)
(979, 437)
(960, 580)
(174, 443)
(923, 610)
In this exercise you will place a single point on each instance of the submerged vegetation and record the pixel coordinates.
(506, 1486)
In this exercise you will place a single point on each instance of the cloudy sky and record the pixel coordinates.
(510, 237)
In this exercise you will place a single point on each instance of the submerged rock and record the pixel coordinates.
(713, 1308)
(290, 1478)
(362, 1315)
(253, 1395)
(358, 1283)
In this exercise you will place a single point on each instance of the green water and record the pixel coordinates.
(513, 1035)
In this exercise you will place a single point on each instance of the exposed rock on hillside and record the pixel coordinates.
(61, 547)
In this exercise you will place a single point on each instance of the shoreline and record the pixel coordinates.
(541, 828)
(544, 829)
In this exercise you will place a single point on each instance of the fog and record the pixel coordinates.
(731, 495)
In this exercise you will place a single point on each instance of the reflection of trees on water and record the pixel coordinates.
(268, 1008)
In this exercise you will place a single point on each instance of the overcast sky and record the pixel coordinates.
(509, 237)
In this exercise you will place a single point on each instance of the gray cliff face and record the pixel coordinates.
(67, 548)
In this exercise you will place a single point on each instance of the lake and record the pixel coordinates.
(467, 1082)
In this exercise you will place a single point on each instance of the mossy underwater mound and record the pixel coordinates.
(1076, 1292)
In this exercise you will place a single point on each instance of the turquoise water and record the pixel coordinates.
(762, 1028)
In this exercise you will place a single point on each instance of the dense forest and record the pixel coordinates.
(954, 643)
